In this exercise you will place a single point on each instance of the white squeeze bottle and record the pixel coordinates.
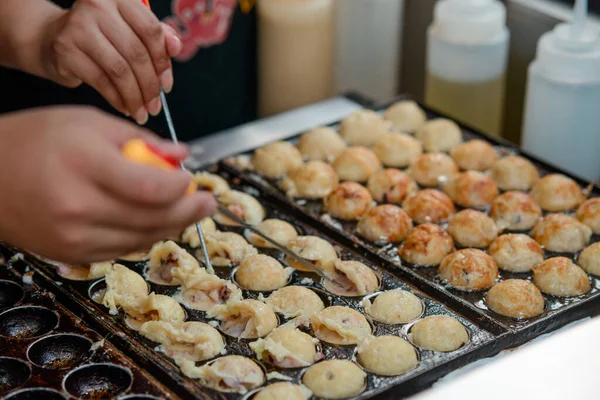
(467, 51)
(562, 110)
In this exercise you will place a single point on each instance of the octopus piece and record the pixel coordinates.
(193, 340)
(125, 289)
(515, 298)
(515, 211)
(340, 325)
(227, 374)
(397, 150)
(516, 253)
(278, 230)
(321, 144)
(589, 259)
(276, 160)
(439, 333)
(439, 134)
(156, 307)
(244, 206)
(386, 355)
(363, 128)
(226, 249)
(514, 173)
(561, 233)
(313, 249)
(261, 273)
(589, 214)
(165, 259)
(469, 270)
(283, 390)
(559, 276)
(211, 182)
(356, 164)
(391, 186)
(356, 278)
(426, 246)
(384, 224)
(471, 189)
(394, 307)
(335, 379)
(557, 192)
(429, 205)
(476, 154)
(203, 291)
(349, 201)
(431, 169)
(471, 228)
(313, 180)
(294, 301)
(87, 272)
(287, 348)
(246, 319)
(405, 116)
(190, 235)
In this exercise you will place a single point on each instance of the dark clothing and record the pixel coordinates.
(215, 85)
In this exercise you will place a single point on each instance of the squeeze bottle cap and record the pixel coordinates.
(571, 51)
(470, 21)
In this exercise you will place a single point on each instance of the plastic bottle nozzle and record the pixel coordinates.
(579, 18)
(140, 152)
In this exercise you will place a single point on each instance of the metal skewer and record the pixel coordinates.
(325, 275)
(163, 99)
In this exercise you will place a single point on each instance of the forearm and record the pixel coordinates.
(22, 26)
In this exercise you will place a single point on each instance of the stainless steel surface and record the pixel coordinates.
(245, 137)
(223, 210)
(167, 112)
(564, 366)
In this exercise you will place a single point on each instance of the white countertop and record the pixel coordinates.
(563, 366)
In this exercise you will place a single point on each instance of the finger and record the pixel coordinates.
(82, 66)
(131, 48)
(150, 31)
(104, 54)
(115, 213)
(172, 41)
(138, 183)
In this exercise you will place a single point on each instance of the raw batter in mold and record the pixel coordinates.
(340, 325)
(246, 319)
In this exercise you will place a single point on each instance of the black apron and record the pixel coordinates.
(215, 77)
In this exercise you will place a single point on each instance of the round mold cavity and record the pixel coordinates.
(10, 293)
(371, 298)
(27, 322)
(139, 397)
(97, 291)
(13, 373)
(98, 381)
(36, 394)
(260, 365)
(407, 329)
(233, 278)
(60, 351)
(416, 350)
(333, 288)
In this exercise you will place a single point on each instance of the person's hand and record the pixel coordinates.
(118, 47)
(68, 194)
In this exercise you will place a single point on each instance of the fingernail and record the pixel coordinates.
(166, 80)
(154, 106)
(141, 116)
